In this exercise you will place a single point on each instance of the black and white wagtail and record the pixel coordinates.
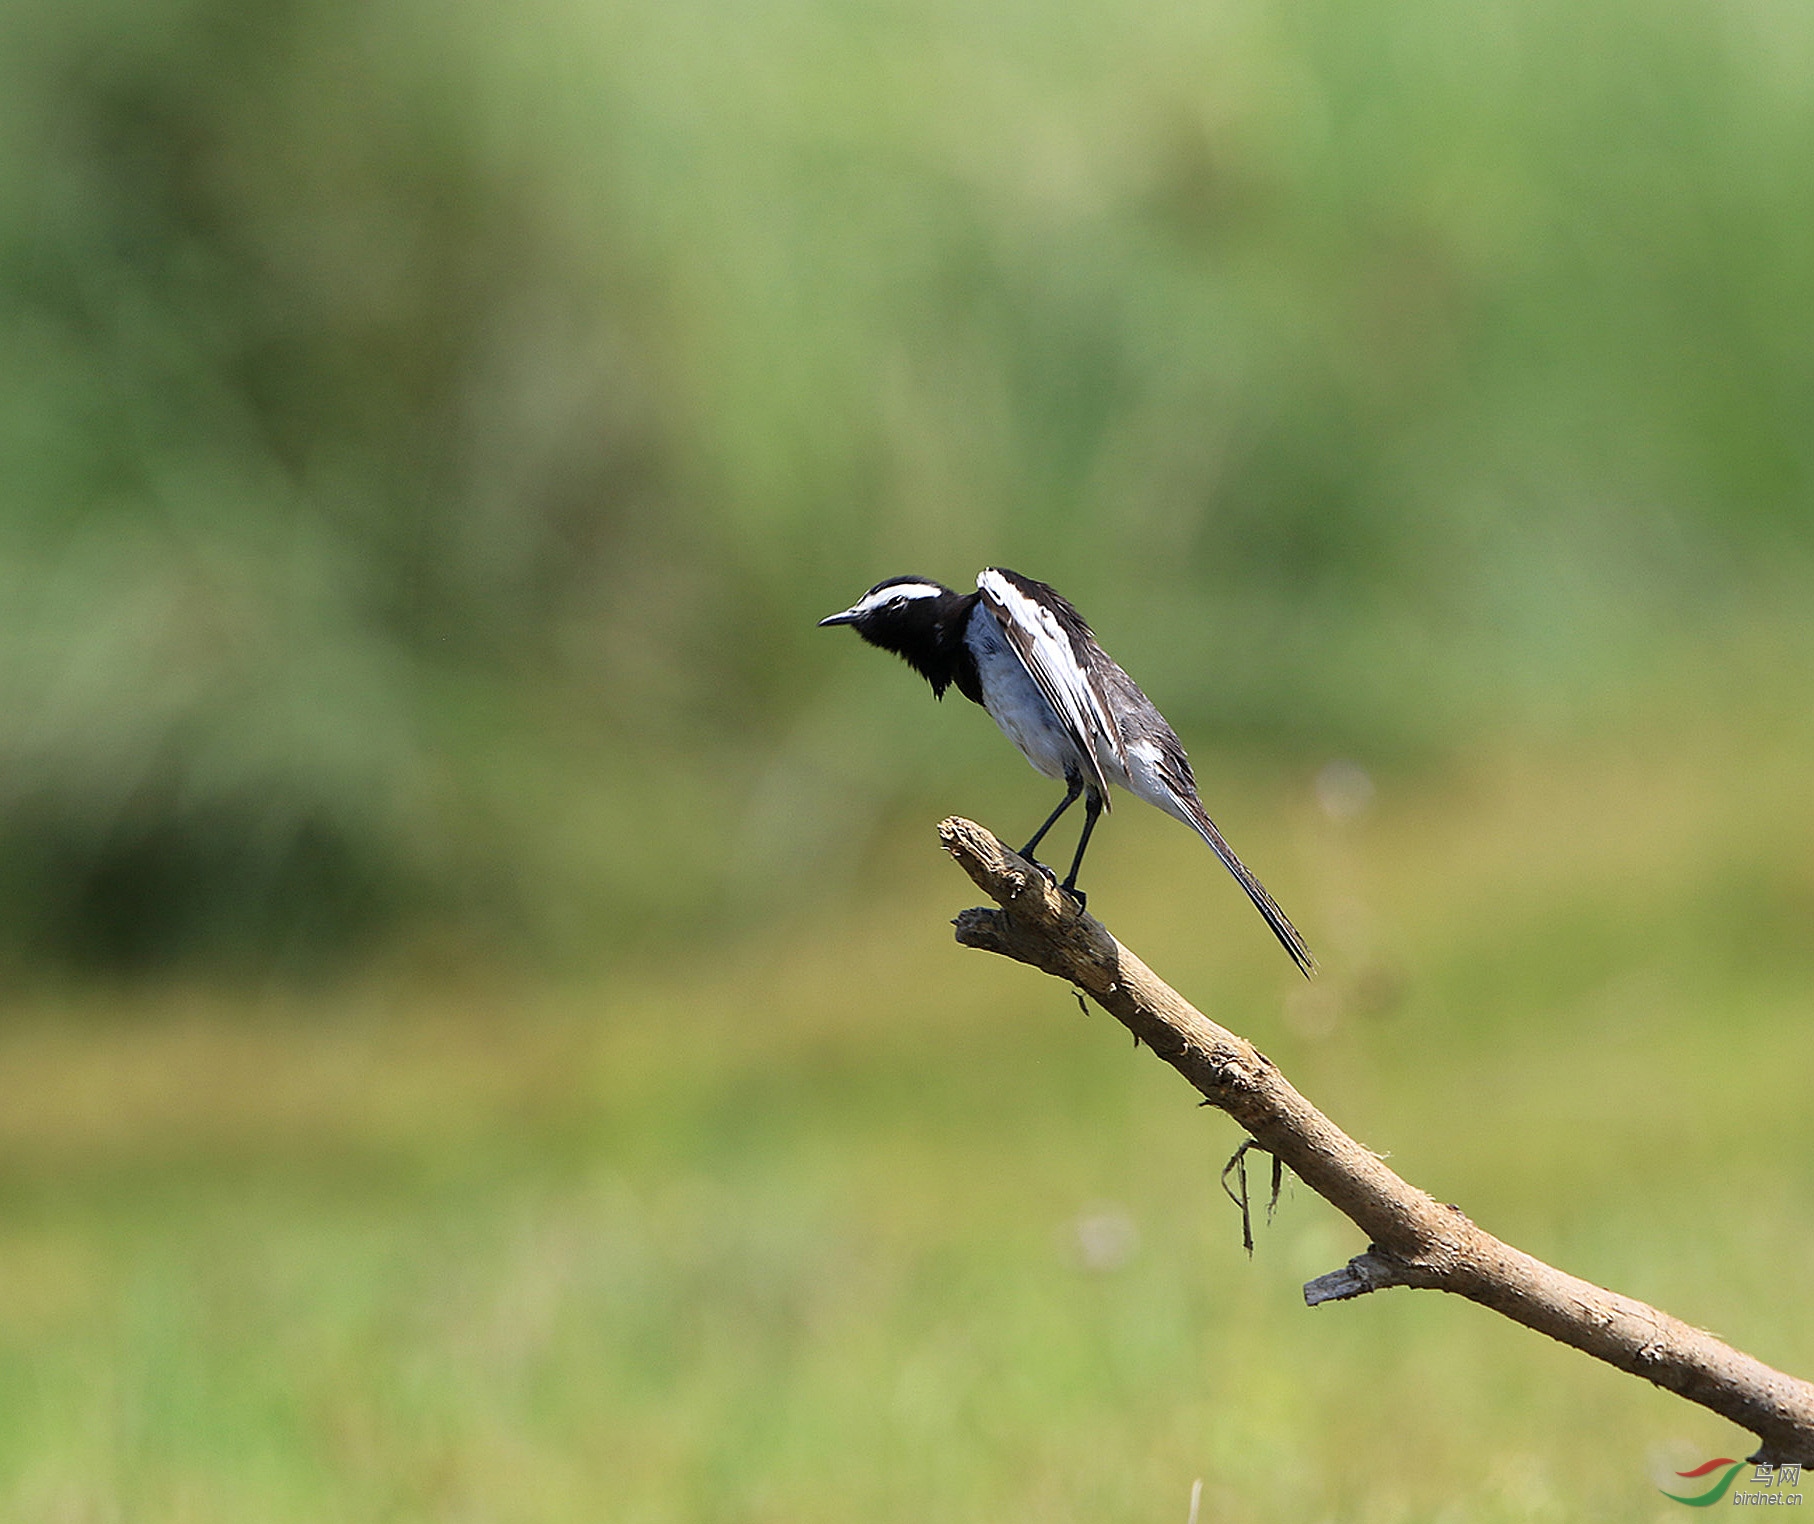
(1019, 649)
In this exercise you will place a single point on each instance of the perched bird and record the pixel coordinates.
(1016, 647)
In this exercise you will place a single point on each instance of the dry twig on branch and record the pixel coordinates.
(1414, 1240)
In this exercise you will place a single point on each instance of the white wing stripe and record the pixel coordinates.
(1045, 650)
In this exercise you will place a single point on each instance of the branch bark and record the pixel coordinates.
(1414, 1240)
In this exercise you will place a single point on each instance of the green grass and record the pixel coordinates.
(791, 1230)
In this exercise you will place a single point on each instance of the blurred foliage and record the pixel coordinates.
(428, 432)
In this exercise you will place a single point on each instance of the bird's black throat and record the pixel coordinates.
(928, 634)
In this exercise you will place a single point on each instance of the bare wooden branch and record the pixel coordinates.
(1415, 1240)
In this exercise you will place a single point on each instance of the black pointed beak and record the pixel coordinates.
(849, 616)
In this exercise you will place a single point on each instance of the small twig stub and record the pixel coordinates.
(1238, 1165)
(1237, 1193)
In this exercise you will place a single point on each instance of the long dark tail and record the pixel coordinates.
(1263, 902)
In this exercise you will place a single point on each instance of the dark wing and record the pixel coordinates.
(1167, 782)
(1051, 640)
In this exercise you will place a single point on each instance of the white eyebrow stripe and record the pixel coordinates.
(886, 595)
(1051, 661)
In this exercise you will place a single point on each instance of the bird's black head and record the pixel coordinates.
(916, 618)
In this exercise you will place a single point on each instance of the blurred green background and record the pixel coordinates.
(482, 1040)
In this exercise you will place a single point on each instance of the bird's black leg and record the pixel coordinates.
(1092, 807)
(1073, 787)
